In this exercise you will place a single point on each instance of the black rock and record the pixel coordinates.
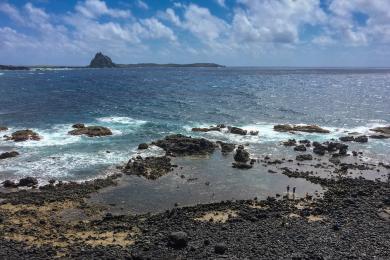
(241, 155)
(7, 155)
(143, 146)
(178, 239)
(242, 165)
(290, 142)
(237, 131)
(226, 147)
(9, 184)
(28, 181)
(78, 126)
(347, 138)
(220, 248)
(180, 145)
(361, 139)
(101, 61)
(304, 157)
(300, 148)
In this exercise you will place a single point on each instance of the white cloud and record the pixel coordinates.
(221, 3)
(12, 12)
(141, 4)
(96, 8)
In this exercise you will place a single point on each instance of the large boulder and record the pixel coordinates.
(28, 181)
(7, 155)
(385, 130)
(101, 61)
(301, 128)
(151, 167)
(181, 145)
(143, 146)
(91, 131)
(178, 239)
(241, 155)
(237, 130)
(24, 135)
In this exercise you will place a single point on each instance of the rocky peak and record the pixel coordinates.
(101, 61)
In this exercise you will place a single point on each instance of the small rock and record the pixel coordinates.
(28, 181)
(304, 157)
(9, 184)
(220, 248)
(300, 148)
(178, 239)
(143, 146)
(361, 139)
(78, 126)
(237, 130)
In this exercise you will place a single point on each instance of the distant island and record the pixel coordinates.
(102, 61)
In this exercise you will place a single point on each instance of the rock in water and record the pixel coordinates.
(226, 147)
(237, 130)
(181, 145)
(301, 128)
(150, 167)
(24, 135)
(143, 146)
(7, 155)
(241, 155)
(91, 131)
(361, 139)
(300, 148)
(78, 126)
(178, 239)
(101, 61)
(383, 130)
(3, 128)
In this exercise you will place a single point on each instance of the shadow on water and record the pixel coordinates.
(198, 180)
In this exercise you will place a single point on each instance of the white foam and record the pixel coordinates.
(151, 151)
(55, 136)
(61, 165)
(121, 120)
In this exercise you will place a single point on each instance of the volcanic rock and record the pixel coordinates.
(383, 130)
(101, 61)
(226, 147)
(91, 131)
(300, 128)
(241, 155)
(361, 139)
(178, 239)
(24, 135)
(200, 129)
(143, 146)
(78, 126)
(151, 167)
(180, 145)
(253, 132)
(9, 184)
(300, 148)
(304, 157)
(347, 138)
(237, 130)
(7, 155)
(290, 142)
(28, 181)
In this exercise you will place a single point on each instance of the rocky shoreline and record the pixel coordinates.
(351, 220)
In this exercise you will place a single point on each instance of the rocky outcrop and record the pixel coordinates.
(205, 129)
(358, 139)
(237, 130)
(27, 182)
(90, 131)
(3, 128)
(301, 128)
(241, 158)
(385, 130)
(181, 145)
(101, 61)
(24, 135)
(7, 155)
(78, 126)
(151, 167)
(143, 146)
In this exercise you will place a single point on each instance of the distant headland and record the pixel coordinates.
(102, 61)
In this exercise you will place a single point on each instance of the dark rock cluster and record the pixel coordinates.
(150, 167)
(301, 128)
(90, 131)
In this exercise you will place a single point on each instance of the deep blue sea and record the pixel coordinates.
(143, 104)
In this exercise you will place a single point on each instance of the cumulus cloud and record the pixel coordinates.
(96, 8)
(141, 4)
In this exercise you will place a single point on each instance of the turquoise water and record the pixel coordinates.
(143, 104)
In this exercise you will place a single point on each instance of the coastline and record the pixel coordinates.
(284, 225)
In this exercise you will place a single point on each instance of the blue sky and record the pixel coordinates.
(230, 32)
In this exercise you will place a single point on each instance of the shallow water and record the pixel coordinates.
(199, 180)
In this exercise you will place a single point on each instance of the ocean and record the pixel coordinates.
(145, 104)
